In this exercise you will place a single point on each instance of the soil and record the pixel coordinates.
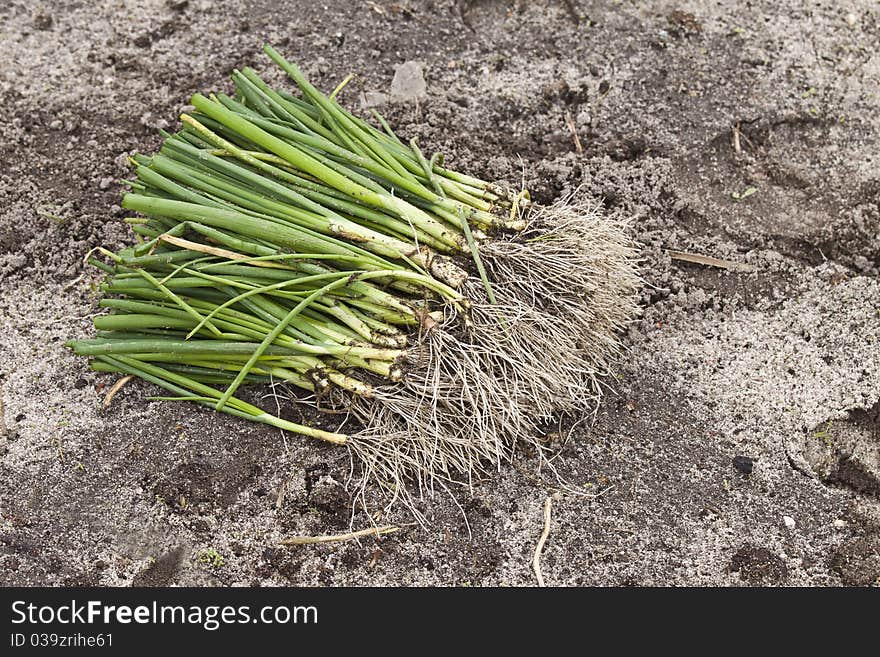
(680, 108)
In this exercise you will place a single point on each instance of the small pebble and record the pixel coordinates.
(744, 464)
(789, 522)
(105, 183)
(409, 81)
(839, 524)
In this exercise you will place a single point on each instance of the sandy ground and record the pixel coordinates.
(681, 107)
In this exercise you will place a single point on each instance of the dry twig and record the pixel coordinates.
(569, 121)
(282, 489)
(536, 562)
(710, 261)
(3, 429)
(213, 250)
(116, 387)
(335, 538)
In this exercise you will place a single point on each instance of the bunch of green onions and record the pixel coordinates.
(284, 239)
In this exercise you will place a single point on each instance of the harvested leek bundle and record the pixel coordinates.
(284, 239)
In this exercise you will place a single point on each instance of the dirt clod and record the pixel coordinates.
(858, 561)
(744, 464)
(161, 571)
(757, 565)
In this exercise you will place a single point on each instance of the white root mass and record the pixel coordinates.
(565, 288)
